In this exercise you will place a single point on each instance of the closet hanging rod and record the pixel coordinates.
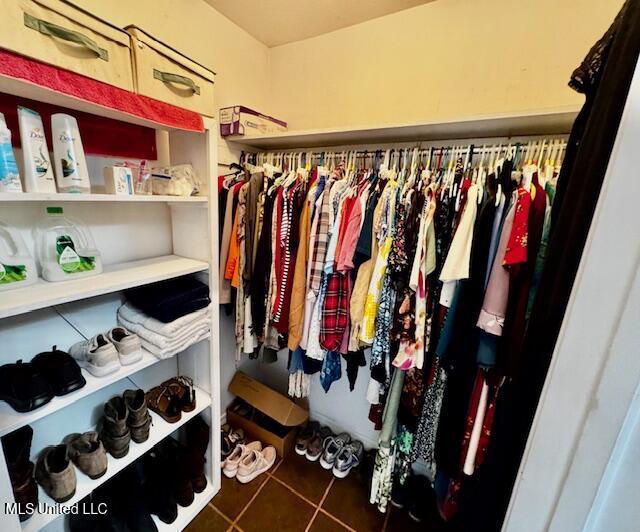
(422, 151)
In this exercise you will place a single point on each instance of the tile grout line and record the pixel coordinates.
(308, 501)
(253, 497)
(233, 521)
(345, 525)
(272, 471)
(210, 503)
(317, 506)
(324, 496)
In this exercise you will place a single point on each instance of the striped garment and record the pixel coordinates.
(321, 242)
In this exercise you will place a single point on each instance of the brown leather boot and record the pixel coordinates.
(17, 448)
(198, 433)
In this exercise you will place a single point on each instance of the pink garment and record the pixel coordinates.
(350, 240)
(225, 284)
(494, 306)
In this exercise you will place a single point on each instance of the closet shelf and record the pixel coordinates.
(32, 197)
(186, 515)
(89, 96)
(11, 420)
(548, 122)
(160, 429)
(115, 277)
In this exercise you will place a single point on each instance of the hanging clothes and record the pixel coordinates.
(429, 266)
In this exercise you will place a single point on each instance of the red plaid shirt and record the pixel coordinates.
(335, 312)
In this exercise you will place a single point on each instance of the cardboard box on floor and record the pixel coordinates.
(284, 412)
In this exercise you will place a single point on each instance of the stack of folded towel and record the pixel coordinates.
(168, 316)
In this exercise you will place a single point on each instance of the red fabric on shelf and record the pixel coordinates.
(90, 90)
(100, 136)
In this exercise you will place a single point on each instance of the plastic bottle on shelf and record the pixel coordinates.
(17, 267)
(72, 174)
(65, 248)
(38, 172)
(9, 175)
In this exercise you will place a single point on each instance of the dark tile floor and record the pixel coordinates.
(297, 496)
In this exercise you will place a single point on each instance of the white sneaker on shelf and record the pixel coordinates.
(97, 355)
(126, 343)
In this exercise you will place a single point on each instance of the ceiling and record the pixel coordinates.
(276, 22)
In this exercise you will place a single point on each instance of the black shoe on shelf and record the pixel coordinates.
(86, 520)
(61, 370)
(158, 486)
(100, 511)
(135, 505)
(24, 386)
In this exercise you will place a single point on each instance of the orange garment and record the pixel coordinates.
(231, 271)
(297, 304)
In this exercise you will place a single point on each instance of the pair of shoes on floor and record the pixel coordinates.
(124, 499)
(230, 438)
(249, 461)
(172, 397)
(106, 353)
(30, 385)
(416, 496)
(341, 454)
(310, 440)
(125, 418)
(175, 472)
(17, 450)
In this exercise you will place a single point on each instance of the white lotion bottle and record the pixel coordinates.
(72, 174)
(38, 172)
(9, 175)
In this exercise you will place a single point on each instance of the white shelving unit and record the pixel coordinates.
(160, 429)
(115, 277)
(12, 420)
(30, 197)
(143, 239)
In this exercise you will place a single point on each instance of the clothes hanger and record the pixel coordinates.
(497, 169)
(237, 169)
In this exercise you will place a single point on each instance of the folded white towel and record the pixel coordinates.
(162, 342)
(174, 350)
(133, 315)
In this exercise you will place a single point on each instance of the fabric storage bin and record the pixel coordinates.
(166, 75)
(56, 32)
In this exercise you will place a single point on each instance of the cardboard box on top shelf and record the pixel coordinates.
(264, 414)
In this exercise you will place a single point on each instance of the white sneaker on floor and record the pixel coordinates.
(256, 463)
(97, 355)
(232, 463)
(126, 343)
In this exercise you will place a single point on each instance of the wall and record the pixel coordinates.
(442, 60)
(197, 30)
(200, 32)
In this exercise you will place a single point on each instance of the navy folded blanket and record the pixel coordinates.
(169, 300)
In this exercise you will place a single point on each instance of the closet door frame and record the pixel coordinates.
(589, 409)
